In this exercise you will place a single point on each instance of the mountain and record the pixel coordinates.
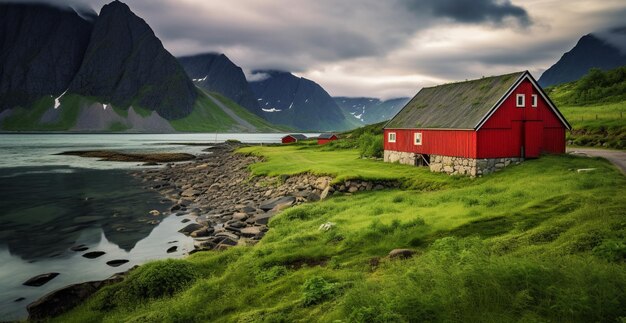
(69, 70)
(125, 64)
(216, 73)
(371, 110)
(297, 102)
(590, 51)
(41, 49)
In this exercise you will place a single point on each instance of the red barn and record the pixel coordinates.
(476, 127)
(292, 138)
(326, 138)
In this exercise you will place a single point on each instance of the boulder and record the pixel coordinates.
(204, 232)
(66, 298)
(277, 202)
(401, 253)
(250, 232)
(172, 249)
(191, 227)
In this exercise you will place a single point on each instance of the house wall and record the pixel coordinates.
(288, 140)
(510, 127)
(458, 143)
(325, 141)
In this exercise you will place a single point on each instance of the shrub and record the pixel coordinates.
(371, 145)
(150, 281)
(316, 290)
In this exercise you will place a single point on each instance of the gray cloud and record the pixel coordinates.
(373, 47)
(472, 11)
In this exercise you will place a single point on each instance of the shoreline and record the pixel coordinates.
(222, 204)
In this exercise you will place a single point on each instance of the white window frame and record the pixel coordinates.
(517, 100)
(534, 100)
(415, 137)
(389, 135)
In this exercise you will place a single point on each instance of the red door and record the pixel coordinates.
(533, 134)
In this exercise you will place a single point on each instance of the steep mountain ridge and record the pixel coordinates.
(41, 49)
(298, 102)
(590, 51)
(215, 72)
(126, 64)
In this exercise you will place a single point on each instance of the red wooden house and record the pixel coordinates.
(292, 138)
(326, 138)
(476, 127)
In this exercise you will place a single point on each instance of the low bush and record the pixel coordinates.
(316, 290)
(371, 145)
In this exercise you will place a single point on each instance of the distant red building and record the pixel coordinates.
(476, 127)
(326, 138)
(292, 138)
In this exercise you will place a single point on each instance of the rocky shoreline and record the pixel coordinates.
(230, 206)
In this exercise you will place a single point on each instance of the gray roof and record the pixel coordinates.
(326, 135)
(298, 136)
(460, 105)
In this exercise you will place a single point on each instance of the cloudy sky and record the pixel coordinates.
(378, 48)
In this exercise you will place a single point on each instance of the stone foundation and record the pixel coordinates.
(453, 165)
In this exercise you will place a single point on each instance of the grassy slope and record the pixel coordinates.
(208, 117)
(536, 242)
(22, 119)
(261, 124)
(595, 107)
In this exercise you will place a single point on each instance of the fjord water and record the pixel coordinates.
(50, 203)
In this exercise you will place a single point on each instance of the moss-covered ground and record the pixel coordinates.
(538, 242)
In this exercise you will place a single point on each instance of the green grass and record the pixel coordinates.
(599, 125)
(27, 119)
(595, 106)
(536, 242)
(208, 117)
(205, 117)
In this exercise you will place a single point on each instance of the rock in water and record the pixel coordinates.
(125, 63)
(187, 230)
(172, 249)
(93, 254)
(40, 279)
(117, 262)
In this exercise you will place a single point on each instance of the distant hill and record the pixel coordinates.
(595, 87)
(371, 110)
(216, 73)
(286, 99)
(591, 51)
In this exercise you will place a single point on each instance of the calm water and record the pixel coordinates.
(50, 203)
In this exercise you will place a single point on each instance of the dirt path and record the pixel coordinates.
(617, 157)
(232, 114)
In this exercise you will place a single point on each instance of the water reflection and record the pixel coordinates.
(44, 213)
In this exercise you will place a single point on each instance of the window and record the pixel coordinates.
(534, 100)
(418, 138)
(391, 137)
(520, 101)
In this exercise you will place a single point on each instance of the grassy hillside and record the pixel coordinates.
(595, 105)
(537, 242)
(206, 116)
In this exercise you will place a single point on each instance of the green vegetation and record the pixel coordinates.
(595, 87)
(28, 119)
(536, 242)
(261, 124)
(118, 127)
(595, 106)
(208, 117)
(367, 139)
(205, 117)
